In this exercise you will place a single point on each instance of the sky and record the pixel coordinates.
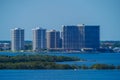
(52, 14)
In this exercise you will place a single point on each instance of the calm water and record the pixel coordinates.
(107, 58)
(59, 75)
(102, 58)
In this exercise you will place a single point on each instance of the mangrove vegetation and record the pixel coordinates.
(46, 62)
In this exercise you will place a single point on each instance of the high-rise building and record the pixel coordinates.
(91, 36)
(17, 42)
(39, 39)
(53, 39)
(70, 37)
(81, 36)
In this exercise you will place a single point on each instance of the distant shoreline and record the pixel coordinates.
(37, 61)
(61, 52)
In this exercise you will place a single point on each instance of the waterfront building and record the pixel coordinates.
(4, 46)
(70, 36)
(91, 36)
(39, 39)
(80, 36)
(53, 39)
(17, 42)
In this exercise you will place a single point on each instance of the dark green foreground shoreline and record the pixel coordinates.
(45, 62)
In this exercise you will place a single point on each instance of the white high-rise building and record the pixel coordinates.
(39, 39)
(17, 42)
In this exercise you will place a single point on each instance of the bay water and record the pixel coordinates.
(91, 58)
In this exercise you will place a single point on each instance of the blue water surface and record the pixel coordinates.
(59, 75)
(104, 58)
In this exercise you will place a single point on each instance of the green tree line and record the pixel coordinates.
(42, 58)
(46, 62)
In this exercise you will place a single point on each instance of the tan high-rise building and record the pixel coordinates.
(53, 39)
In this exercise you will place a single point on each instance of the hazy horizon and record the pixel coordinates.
(52, 14)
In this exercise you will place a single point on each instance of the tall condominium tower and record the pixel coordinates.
(53, 39)
(81, 36)
(39, 39)
(91, 36)
(70, 37)
(17, 42)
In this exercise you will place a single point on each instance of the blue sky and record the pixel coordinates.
(51, 14)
